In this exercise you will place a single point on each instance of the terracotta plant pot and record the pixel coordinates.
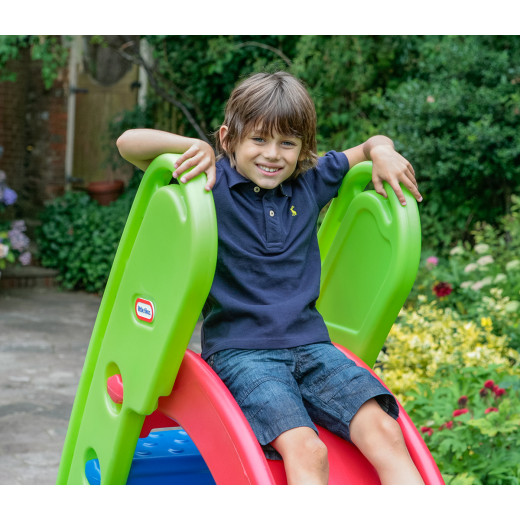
(105, 192)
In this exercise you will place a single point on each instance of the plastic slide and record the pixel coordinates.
(139, 379)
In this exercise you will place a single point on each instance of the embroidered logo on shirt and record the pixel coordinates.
(293, 212)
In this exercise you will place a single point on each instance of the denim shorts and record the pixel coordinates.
(281, 389)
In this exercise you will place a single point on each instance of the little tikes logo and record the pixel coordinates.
(144, 310)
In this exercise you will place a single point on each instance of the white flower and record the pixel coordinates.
(512, 306)
(484, 260)
(470, 267)
(500, 277)
(457, 250)
(482, 283)
(466, 285)
(481, 248)
(513, 264)
(4, 250)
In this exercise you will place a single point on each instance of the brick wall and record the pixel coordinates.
(33, 126)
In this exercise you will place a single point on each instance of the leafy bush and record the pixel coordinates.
(456, 118)
(470, 423)
(80, 238)
(480, 282)
(428, 338)
(440, 366)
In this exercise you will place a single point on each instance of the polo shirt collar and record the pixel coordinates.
(234, 178)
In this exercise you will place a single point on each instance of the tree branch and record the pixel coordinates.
(137, 59)
(278, 52)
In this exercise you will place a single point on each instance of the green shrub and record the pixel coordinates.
(456, 118)
(436, 361)
(480, 282)
(79, 238)
(469, 419)
(428, 337)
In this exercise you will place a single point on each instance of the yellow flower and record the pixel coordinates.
(486, 323)
(428, 337)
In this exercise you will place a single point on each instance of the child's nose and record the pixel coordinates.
(272, 151)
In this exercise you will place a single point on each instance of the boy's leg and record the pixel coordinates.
(378, 436)
(264, 387)
(304, 456)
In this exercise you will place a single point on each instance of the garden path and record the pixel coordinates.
(44, 335)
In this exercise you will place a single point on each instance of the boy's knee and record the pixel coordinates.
(316, 450)
(302, 445)
(389, 436)
(305, 456)
(390, 428)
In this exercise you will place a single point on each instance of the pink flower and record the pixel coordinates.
(499, 391)
(448, 424)
(427, 430)
(462, 411)
(442, 289)
(492, 409)
(432, 260)
(489, 384)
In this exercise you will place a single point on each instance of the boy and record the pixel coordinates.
(262, 333)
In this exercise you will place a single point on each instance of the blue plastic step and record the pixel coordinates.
(164, 457)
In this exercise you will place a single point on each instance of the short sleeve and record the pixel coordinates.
(326, 178)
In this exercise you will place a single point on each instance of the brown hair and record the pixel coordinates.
(275, 102)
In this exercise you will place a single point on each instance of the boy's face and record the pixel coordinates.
(266, 160)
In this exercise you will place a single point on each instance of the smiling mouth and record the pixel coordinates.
(268, 171)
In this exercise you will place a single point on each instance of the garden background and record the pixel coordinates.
(452, 106)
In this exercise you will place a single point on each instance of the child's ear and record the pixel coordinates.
(222, 133)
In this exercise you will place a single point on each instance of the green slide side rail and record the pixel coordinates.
(161, 276)
(370, 248)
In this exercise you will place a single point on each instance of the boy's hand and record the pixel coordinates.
(201, 158)
(390, 166)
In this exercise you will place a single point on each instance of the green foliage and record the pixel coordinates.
(456, 119)
(459, 330)
(342, 74)
(470, 424)
(483, 280)
(427, 337)
(201, 71)
(80, 238)
(48, 49)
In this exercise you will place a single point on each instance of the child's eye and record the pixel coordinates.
(258, 139)
(289, 143)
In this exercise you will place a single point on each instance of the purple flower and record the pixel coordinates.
(19, 241)
(10, 196)
(25, 258)
(19, 225)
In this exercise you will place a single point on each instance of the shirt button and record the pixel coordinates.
(256, 189)
(271, 213)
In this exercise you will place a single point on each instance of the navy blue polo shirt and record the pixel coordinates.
(267, 278)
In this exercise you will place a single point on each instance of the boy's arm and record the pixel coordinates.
(387, 165)
(141, 146)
